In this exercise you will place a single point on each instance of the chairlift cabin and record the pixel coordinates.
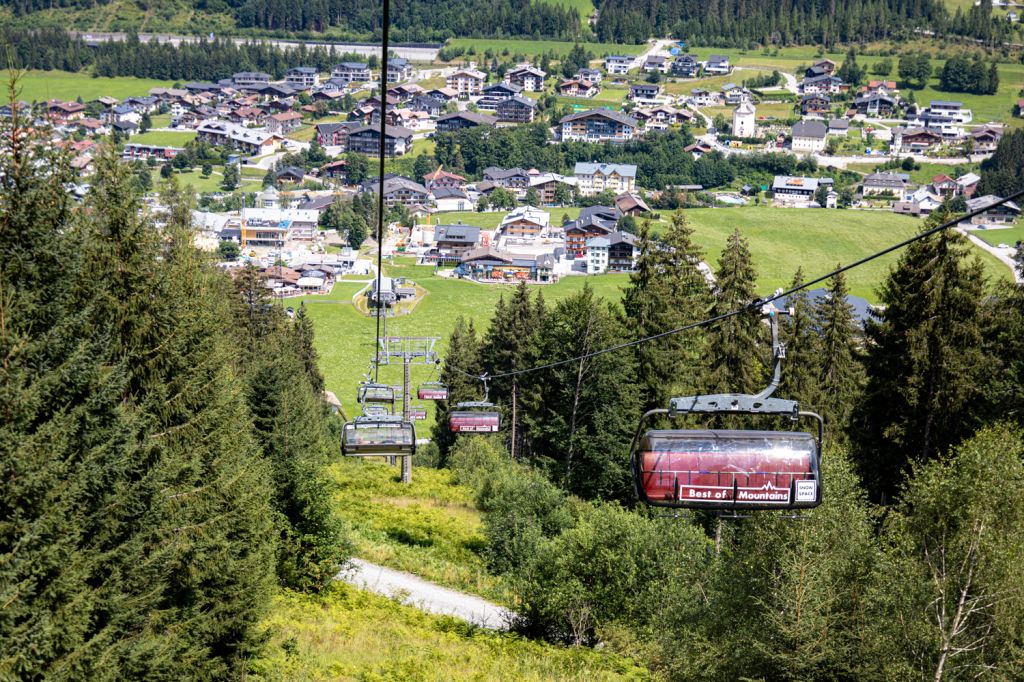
(432, 390)
(417, 413)
(369, 436)
(478, 417)
(730, 470)
(376, 393)
(371, 410)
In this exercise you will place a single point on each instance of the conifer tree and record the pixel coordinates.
(584, 418)
(459, 371)
(799, 333)
(303, 333)
(736, 343)
(925, 361)
(667, 290)
(840, 373)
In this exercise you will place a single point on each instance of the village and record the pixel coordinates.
(513, 223)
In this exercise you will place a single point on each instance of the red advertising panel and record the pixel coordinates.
(432, 394)
(418, 413)
(729, 469)
(474, 422)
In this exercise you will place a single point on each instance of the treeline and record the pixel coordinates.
(412, 20)
(162, 436)
(660, 158)
(741, 22)
(204, 60)
(960, 74)
(1002, 173)
(907, 570)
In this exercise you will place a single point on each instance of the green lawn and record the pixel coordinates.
(163, 138)
(783, 239)
(1009, 235)
(348, 634)
(536, 47)
(201, 185)
(585, 8)
(39, 86)
(920, 176)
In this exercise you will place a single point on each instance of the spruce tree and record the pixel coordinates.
(840, 373)
(799, 333)
(925, 362)
(303, 333)
(667, 290)
(736, 343)
(584, 417)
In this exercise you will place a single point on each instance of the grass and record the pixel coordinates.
(920, 176)
(585, 8)
(429, 528)
(1009, 235)
(200, 185)
(39, 86)
(348, 634)
(531, 48)
(163, 138)
(781, 240)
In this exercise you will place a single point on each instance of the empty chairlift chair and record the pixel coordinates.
(475, 417)
(730, 470)
(432, 390)
(376, 393)
(388, 435)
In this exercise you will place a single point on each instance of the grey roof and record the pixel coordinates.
(398, 182)
(518, 99)
(302, 69)
(892, 180)
(944, 103)
(839, 124)
(495, 173)
(353, 65)
(449, 193)
(616, 116)
(871, 96)
(389, 131)
(978, 203)
(465, 234)
(472, 116)
(623, 169)
(810, 129)
(717, 58)
(510, 87)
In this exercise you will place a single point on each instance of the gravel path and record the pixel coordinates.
(424, 595)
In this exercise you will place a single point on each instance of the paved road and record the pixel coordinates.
(1004, 255)
(426, 596)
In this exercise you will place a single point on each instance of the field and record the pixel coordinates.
(348, 634)
(163, 138)
(536, 47)
(39, 86)
(995, 237)
(194, 179)
(585, 8)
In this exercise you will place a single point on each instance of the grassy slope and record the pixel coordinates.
(38, 86)
(429, 528)
(1009, 235)
(354, 635)
(584, 8)
(164, 137)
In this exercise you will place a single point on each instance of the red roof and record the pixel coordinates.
(438, 174)
(941, 178)
(286, 116)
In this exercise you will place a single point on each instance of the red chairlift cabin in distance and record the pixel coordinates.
(432, 390)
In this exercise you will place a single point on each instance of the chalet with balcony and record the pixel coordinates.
(284, 123)
(517, 110)
(529, 78)
(352, 72)
(685, 66)
(302, 77)
(366, 140)
(449, 123)
(467, 82)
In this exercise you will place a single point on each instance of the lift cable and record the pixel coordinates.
(754, 305)
(385, 29)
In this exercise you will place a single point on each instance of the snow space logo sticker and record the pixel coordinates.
(806, 491)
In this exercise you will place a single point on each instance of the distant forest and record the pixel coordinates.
(732, 23)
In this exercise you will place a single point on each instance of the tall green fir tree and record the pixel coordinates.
(840, 377)
(737, 344)
(799, 333)
(926, 364)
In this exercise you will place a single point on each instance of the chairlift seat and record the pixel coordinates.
(378, 435)
(728, 470)
(432, 390)
(376, 393)
(475, 417)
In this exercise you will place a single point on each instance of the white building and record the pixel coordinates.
(619, 65)
(743, 120)
(468, 82)
(809, 136)
(597, 255)
(302, 77)
(594, 178)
